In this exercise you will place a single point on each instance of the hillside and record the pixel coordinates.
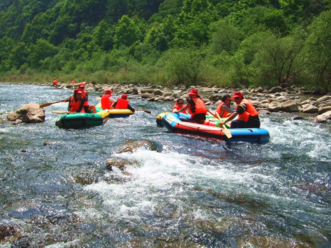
(223, 42)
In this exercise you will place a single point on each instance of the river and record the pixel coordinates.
(187, 192)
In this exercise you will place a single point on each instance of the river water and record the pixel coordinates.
(188, 192)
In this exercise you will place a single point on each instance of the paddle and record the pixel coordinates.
(50, 103)
(226, 131)
(60, 112)
(146, 111)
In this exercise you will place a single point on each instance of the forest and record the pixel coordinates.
(246, 43)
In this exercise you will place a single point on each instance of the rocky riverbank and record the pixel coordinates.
(276, 99)
(289, 99)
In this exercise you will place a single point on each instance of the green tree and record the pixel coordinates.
(17, 55)
(260, 19)
(160, 35)
(192, 23)
(39, 51)
(226, 37)
(275, 60)
(6, 45)
(317, 52)
(127, 32)
(103, 36)
(184, 65)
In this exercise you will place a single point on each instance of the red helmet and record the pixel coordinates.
(124, 97)
(108, 92)
(193, 92)
(237, 94)
(81, 86)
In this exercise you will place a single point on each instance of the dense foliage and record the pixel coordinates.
(210, 42)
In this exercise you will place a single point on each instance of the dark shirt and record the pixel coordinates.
(241, 108)
(192, 104)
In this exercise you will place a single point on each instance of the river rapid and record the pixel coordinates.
(188, 192)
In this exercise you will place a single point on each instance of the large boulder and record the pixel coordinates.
(274, 107)
(324, 98)
(116, 162)
(158, 92)
(323, 117)
(310, 109)
(132, 145)
(324, 109)
(146, 90)
(290, 106)
(29, 113)
(276, 89)
(215, 97)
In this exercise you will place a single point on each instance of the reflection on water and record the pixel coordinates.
(56, 190)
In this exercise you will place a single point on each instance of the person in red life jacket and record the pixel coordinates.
(223, 109)
(178, 105)
(123, 103)
(196, 107)
(107, 100)
(55, 82)
(248, 117)
(72, 81)
(88, 108)
(76, 103)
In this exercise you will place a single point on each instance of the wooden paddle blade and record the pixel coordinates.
(225, 130)
(60, 112)
(146, 111)
(50, 103)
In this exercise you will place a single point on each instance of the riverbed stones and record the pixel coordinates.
(323, 109)
(276, 89)
(324, 98)
(9, 233)
(311, 109)
(116, 162)
(131, 146)
(158, 92)
(269, 242)
(323, 117)
(146, 90)
(290, 106)
(29, 113)
(215, 97)
(274, 107)
(85, 178)
(274, 99)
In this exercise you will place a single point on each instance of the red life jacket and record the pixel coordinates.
(251, 111)
(219, 110)
(74, 105)
(105, 103)
(177, 107)
(122, 104)
(55, 82)
(200, 107)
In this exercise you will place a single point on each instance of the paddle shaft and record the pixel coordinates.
(146, 111)
(60, 112)
(50, 103)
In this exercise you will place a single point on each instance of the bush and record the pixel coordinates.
(184, 65)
